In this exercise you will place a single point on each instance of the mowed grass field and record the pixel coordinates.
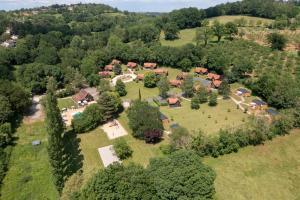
(231, 18)
(29, 175)
(208, 119)
(65, 103)
(270, 171)
(185, 36)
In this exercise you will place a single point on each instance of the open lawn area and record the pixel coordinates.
(29, 175)
(269, 172)
(231, 18)
(208, 119)
(66, 103)
(90, 142)
(185, 36)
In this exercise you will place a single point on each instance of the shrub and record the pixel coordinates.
(150, 80)
(122, 149)
(91, 117)
(121, 88)
(213, 99)
(5, 134)
(153, 136)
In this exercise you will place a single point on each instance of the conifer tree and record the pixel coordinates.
(121, 88)
(55, 129)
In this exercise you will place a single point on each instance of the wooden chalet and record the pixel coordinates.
(81, 96)
(115, 62)
(182, 76)
(212, 76)
(175, 83)
(243, 92)
(140, 76)
(216, 83)
(258, 104)
(108, 68)
(150, 65)
(161, 72)
(201, 70)
(105, 74)
(174, 102)
(132, 65)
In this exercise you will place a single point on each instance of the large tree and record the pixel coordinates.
(163, 87)
(143, 118)
(110, 104)
(55, 129)
(218, 30)
(187, 86)
(171, 31)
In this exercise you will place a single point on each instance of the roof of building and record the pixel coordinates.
(204, 82)
(213, 76)
(175, 82)
(108, 67)
(201, 70)
(217, 83)
(105, 73)
(80, 96)
(173, 100)
(131, 64)
(243, 90)
(182, 75)
(140, 76)
(150, 65)
(160, 71)
(259, 102)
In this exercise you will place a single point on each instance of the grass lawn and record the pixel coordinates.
(29, 175)
(185, 36)
(133, 91)
(199, 119)
(65, 103)
(269, 172)
(230, 18)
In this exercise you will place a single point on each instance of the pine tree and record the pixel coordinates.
(120, 88)
(140, 95)
(55, 129)
(202, 95)
(195, 103)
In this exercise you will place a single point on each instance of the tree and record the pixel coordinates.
(185, 64)
(180, 138)
(153, 136)
(5, 109)
(5, 135)
(187, 86)
(218, 30)
(122, 149)
(231, 29)
(150, 80)
(104, 86)
(163, 87)
(120, 88)
(185, 169)
(213, 99)
(93, 80)
(224, 89)
(277, 41)
(110, 105)
(203, 34)
(195, 103)
(202, 95)
(78, 80)
(171, 31)
(143, 118)
(117, 69)
(55, 129)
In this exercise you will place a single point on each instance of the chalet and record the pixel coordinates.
(161, 72)
(150, 65)
(140, 76)
(212, 76)
(201, 70)
(175, 83)
(105, 74)
(81, 96)
(216, 83)
(115, 62)
(108, 68)
(132, 65)
(182, 76)
(174, 102)
(258, 104)
(165, 120)
(243, 92)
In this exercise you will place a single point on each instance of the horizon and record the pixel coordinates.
(128, 5)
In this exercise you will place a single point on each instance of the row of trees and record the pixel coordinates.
(181, 175)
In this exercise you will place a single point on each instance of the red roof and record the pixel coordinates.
(213, 76)
(201, 70)
(131, 64)
(108, 67)
(217, 83)
(173, 100)
(175, 82)
(80, 96)
(150, 65)
(105, 73)
(140, 76)
(115, 62)
(160, 71)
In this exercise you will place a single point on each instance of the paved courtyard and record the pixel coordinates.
(108, 155)
(114, 129)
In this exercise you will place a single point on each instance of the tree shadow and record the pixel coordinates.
(74, 158)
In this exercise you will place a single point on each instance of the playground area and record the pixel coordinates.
(114, 129)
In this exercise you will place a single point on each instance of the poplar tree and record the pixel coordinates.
(55, 129)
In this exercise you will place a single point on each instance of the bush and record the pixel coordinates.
(121, 88)
(195, 103)
(150, 80)
(213, 99)
(5, 134)
(91, 117)
(122, 149)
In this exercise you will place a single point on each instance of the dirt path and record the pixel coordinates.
(35, 112)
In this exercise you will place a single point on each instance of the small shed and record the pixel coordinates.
(161, 72)
(216, 83)
(140, 76)
(175, 83)
(81, 96)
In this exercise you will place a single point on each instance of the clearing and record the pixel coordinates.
(270, 171)
(185, 36)
(231, 18)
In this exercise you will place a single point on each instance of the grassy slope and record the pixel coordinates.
(230, 18)
(270, 171)
(185, 36)
(29, 175)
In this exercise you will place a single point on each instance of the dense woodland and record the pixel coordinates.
(73, 45)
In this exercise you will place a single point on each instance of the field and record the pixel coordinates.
(269, 172)
(185, 36)
(231, 18)
(65, 103)
(208, 119)
(29, 175)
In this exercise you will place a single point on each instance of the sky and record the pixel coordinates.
(130, 5)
